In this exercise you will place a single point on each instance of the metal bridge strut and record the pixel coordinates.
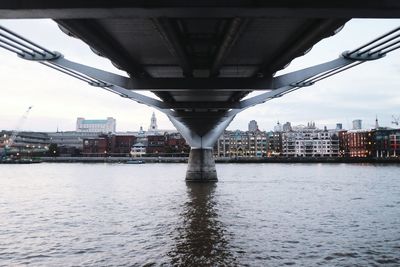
(187, 115)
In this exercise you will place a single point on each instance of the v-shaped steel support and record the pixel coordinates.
(186, 116)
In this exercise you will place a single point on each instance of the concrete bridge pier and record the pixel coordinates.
(201, 166)
(201, 135)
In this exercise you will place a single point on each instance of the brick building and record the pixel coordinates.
(95, 147)
(108, 145)
(386, 143)
(155, 144)
(359, 143)
(120, 145)
(175, 143)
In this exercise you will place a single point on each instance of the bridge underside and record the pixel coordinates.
(194, 48)
(188, 51)
(200, 58)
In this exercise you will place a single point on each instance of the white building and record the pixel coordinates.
(138, 150)
(308, 141)
(71, 139)
(96, 126)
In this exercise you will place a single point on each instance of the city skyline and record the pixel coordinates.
(343, 98)
(146, 127)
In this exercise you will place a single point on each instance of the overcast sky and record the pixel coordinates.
(369, 90)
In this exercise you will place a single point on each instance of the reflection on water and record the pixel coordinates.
(145, 215)
(202, 238)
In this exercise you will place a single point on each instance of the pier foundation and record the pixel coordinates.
(201, 166)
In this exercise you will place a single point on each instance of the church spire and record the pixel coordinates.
(376, 122)
(153, 123)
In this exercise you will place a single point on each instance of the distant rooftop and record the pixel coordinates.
(93, 121)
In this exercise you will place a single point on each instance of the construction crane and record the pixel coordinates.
(10, 141)
(396, 120)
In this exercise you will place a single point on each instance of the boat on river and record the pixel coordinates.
(19, 161)
(135, 161)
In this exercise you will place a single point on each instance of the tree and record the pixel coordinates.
(53, 150)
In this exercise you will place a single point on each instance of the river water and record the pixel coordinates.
(146, 215)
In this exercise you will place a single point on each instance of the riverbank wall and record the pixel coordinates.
(219, 160)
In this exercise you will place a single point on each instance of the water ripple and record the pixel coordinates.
(257, 215)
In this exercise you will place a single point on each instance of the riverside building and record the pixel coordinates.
(242, 144)
(96, 126)
(274, 144)
(309, 141)
(358, 144)
(386, 143)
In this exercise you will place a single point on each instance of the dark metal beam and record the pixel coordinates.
(204, 105)
(216, 115)
(91, 33)
(232, 33)
(238, 95)
(189, 84)
(66, 9)
(174, 43)
(299, 44)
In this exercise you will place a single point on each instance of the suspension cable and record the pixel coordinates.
(384, 47)
(22, 44)
(27, 40)
(74, 72)
(16, 46)
(338, 71)
(391, 50)
(375, 40)
(11, 49)
(65, 72)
